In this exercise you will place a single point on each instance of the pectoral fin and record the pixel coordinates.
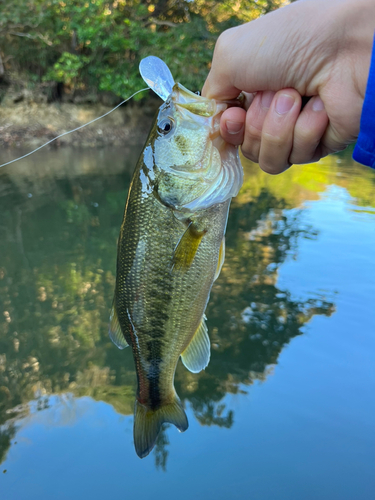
(115, 332)
(221, 259)
(187, 248)
(197, 354)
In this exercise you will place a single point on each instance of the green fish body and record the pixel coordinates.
(170, 251)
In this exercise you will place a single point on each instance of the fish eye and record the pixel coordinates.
(165, 126)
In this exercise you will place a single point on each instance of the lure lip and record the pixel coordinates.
(157, 76)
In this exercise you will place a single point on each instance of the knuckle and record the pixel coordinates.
(273, 141)
(300, 158)
(307, 138)
(304, 148)
(224, 41)
(273, 164)
(251, 156)
(253, 132)
(219, 45)
(326, 150)
(304, 153)
(269, 169)
(316, 157)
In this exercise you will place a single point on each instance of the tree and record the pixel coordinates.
(98, 44)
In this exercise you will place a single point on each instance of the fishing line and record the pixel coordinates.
(75, 130)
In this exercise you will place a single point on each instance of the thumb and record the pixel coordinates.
(282, 49)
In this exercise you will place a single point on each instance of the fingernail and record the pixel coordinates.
(284, 104)
(266, 100)
(234, 127)
(318, 104)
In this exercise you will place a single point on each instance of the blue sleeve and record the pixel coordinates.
(364, 151)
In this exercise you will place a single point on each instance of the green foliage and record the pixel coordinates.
(67, 69)
(98, 44)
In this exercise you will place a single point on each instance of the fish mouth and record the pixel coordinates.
(202, 106)
(218, 168)
(196, 104)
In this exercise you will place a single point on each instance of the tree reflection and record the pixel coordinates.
(7, 433)
(58, 252)
(160, 452)
(250, 320)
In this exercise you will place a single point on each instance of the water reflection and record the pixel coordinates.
(58, 232)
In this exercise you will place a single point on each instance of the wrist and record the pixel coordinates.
(359, 26)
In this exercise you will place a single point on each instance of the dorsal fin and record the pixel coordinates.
(197, 354)
(114, 331)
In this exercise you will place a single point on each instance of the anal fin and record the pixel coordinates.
(187, 248)
(114, 331)
(197, 354)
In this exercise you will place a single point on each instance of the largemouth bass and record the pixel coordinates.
(171, 248)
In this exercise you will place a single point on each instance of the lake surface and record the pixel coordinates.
(286, 407)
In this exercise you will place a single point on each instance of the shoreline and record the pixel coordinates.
(30, 125)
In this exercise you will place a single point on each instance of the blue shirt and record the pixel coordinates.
(364, 151)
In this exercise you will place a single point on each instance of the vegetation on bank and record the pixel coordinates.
(95, 46)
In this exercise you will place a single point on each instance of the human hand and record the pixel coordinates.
(310, 48)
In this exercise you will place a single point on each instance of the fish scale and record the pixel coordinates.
(173, 302)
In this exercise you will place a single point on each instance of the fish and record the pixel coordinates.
(171, 248)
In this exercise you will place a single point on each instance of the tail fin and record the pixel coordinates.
(147, 424)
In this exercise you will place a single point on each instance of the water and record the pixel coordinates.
(286, 407)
